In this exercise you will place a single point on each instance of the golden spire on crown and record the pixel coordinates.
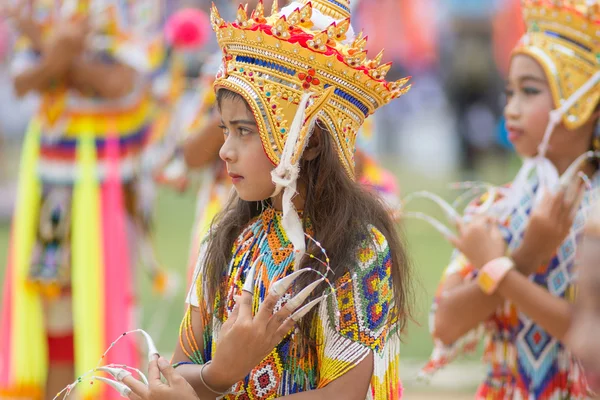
(273, 61)
(338, 9)
(563, 36)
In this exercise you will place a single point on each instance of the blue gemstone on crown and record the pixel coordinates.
(340, 5)
(266, 64)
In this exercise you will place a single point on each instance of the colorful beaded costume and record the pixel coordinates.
(348, 331)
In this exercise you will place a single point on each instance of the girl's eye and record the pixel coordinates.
(224, 129)
(531, 91)
(244, 131)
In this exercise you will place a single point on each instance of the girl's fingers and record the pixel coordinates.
(153, 370)
(265, 312)
(234, 313)
(577, 203)
(454, 241)
(557, 204)
(138, 388)
(283, 330)
(571, 191)
(133, 396)
(244, 302)
(460, 226)
(277, 320)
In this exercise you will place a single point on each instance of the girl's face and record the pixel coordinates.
(247, 164)
(583, 336)
(529, 102)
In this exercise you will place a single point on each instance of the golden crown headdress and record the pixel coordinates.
(563, 36)
(303, 48)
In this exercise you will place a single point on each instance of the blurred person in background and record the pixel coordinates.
(198, 150)
(69, 288)
(472, 82)
(416, 55)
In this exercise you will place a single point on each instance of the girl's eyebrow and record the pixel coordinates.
(243, 122)
(532, 78)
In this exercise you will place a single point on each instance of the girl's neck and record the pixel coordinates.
(298, 200)
(562, 164)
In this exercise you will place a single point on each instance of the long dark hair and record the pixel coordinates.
(340, 212)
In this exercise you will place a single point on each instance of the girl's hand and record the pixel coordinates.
(65, 44)
(480, 240)
(245, 340)
(23, 15)
(175, 388)
(549, 225)
(69, 37)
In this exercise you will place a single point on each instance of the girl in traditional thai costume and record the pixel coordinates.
(69, 287)
(293, 90)
(512, 276)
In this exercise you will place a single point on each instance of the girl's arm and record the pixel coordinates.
(191, 372)
(353, 385)
(550, 312)
(39, 77)
(109, 81)
(462, 306)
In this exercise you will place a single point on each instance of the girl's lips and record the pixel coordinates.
(235, 177)
(514, 133)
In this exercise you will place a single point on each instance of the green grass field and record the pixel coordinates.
(174, 217)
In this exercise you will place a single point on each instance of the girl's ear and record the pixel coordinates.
(315, 144)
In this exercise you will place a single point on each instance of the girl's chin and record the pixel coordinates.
(250, 196)
(593, 381)
(525, 151)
